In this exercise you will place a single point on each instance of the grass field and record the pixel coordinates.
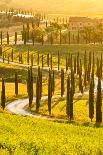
(29, 136)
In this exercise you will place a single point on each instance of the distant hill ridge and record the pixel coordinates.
(79, 7)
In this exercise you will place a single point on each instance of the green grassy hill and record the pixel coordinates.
(29, 136)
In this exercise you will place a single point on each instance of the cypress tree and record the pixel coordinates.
(7, 38)
(1, 50)
(91, 100)
(28, 57)
(51, 61)
(101, 67)
(58, 60)
(53, 82)
(69, 37)
(1, 37)
(3, 57)
(40, 80)
(3, 98)
(48, 59)
(78, 63)
(75, 66)
(30, 86)
(24, 37)
(68, 97)
(66, 63)
(99, 103)
(31, 59)
(31, 82)
(73, 81)
(42, 39)
(71, 103)
(33, 38)
(28, 81)
(62, 82)
(51, 38)
(15, 38)
(16, 84)
(49, 93)
(38, 59)
(60, 37)
(37, 94)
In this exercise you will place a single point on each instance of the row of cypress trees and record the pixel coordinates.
(88, 75)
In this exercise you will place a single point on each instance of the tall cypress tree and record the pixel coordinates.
(49, 93)
(66, 63)
(1, 37)
(48, 59)
(15, 38)
(78, 64)
(53, 82)
(3, 98)
(16, 84)
(31, 59)
(38, 59)
(68, 98)
(62, 82)
(69, 37)
(60, 37)
(7, 38)
(91, 100)
(42, 39)
(71, 103)
(75, 65)
(28, 57)
(37, 94)
(51, 62)
(58, 60)
(99, 103)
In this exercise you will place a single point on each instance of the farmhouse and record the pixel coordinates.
(78, 23)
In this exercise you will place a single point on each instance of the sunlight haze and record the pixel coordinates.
(72, 7)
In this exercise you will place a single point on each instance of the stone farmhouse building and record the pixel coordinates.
(79, 23)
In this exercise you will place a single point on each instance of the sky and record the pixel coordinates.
(75, 7)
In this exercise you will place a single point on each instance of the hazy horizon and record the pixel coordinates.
(70, 7)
